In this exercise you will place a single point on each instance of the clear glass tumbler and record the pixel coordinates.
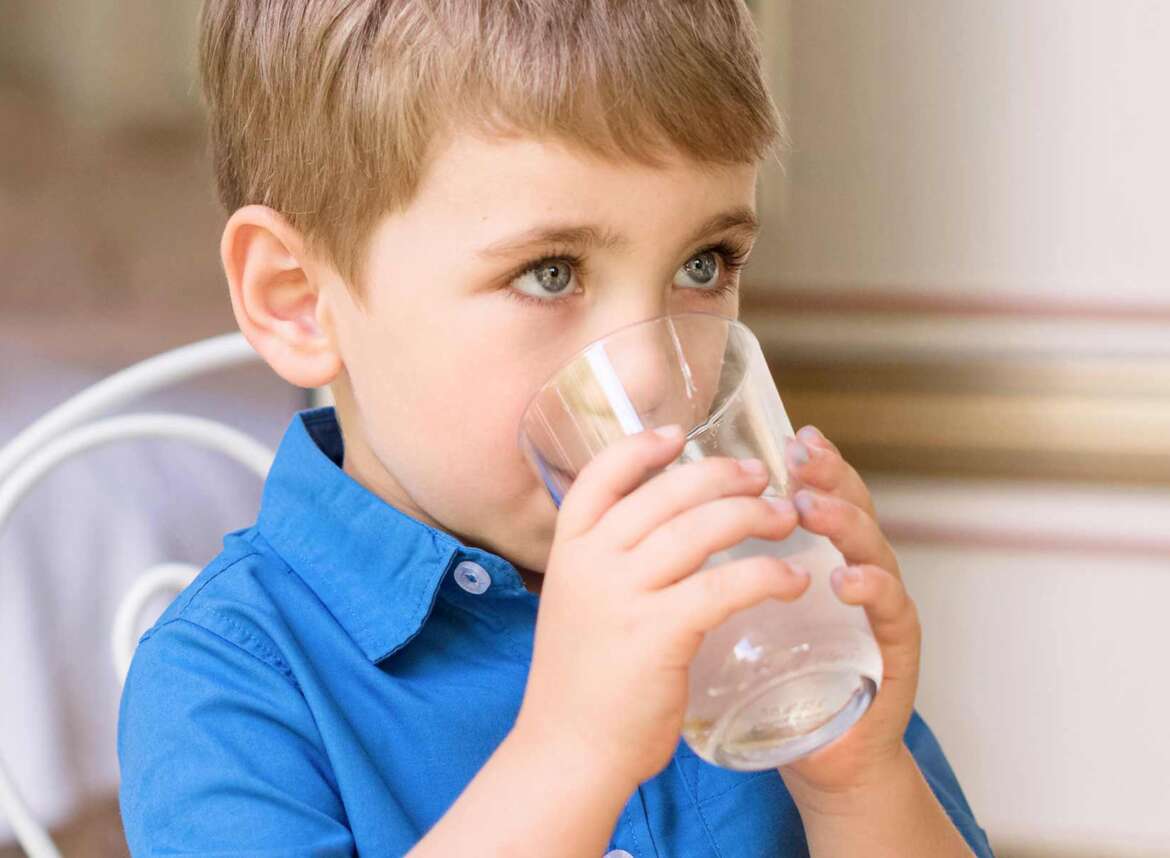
(775, 681)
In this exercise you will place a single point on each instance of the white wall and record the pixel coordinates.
(998, 147)
(1044, 667)
(1010, 150)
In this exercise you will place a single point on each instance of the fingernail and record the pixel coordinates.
(671, 433)
(798, 571)
(783, 505)
(798, 453)
(805, 501)
(753, 467)
(811, 434)
(844, 576)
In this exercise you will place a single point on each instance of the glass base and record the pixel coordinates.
(776, 725)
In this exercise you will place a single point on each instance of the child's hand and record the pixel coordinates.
(621, 614)
(834, 502)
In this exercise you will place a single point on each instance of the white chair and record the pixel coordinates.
(80, 424)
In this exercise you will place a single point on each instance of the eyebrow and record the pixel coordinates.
(585, 236)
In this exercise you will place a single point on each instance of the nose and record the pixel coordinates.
(638, 367)
(642, 368)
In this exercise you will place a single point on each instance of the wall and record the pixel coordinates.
(1000, 147)
(964, 279)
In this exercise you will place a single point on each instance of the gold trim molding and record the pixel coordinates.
(1057, 415)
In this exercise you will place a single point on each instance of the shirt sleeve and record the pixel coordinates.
(937, 771)
(219, 752)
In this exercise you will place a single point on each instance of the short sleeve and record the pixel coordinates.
(219, 752)
(937, 771)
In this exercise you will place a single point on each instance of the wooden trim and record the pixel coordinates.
(761, 296)
(907, 532)
(1099, 418)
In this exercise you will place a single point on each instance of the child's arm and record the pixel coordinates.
(529, 801)
(622, 614)
(219, 752)
(897, 816)
(864, 793)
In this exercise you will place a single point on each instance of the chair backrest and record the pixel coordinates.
(79, 424)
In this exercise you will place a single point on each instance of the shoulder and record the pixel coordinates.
(219, 750)
(232, 603)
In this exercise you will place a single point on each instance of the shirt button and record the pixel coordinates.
(618, 853)
(472, 577)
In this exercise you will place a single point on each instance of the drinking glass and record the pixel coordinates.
(777, 680)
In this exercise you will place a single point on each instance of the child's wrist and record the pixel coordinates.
(579, 760)
(889, 811)
(869, 792)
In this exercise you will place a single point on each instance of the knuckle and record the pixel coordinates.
(713, 585)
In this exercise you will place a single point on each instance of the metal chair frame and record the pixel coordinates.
(78, 425)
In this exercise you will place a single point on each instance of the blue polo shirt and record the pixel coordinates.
(331, 682)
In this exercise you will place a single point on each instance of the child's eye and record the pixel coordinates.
(549, 281)
(700, 271)
(713, 269)
(546, 280)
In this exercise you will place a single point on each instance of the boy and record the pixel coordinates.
(435, 202)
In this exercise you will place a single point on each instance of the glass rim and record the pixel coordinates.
(580, 353)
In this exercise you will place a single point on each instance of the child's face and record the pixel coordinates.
(441, 362)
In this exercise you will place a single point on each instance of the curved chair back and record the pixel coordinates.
(80, 424)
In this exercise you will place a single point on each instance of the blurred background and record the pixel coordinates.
(963, 280)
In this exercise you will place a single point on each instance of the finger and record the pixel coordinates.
(812, 435)
(814, 461)
(612, 474)
(710, 596)
(854, 533)
(683, 544)
(892, 614)
(678, 489)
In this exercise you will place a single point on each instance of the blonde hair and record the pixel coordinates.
(327, 110)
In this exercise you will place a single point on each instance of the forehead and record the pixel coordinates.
(490, 183)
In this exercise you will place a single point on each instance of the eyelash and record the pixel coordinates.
(732, 258)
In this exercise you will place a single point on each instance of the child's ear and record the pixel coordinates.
(277, 304)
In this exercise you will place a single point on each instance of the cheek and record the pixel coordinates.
(443, 397)
(458, 411)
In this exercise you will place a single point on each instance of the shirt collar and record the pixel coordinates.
(376, 569)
